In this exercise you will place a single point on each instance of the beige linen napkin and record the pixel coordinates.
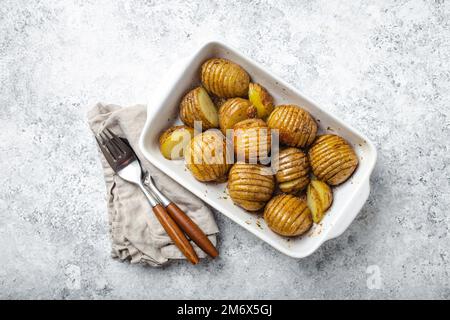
(136, 233)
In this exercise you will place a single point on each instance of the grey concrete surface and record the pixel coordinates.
(382, 66)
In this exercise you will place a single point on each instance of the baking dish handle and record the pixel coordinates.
(351, 211)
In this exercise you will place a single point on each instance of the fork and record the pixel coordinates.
(182, 219)
(123, 161)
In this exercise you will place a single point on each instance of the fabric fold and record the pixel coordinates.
(136, 234)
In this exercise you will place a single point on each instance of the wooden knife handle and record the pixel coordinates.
(192, 229)
(175, 233)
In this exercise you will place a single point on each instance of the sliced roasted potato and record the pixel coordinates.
(198, 106)
(250, 185)
(332, 159)
(252, 140)
(319, 198)
(206, 156)
(225, 78)
(288, 215)
(296, 126)
(293, 170)
(233, 111)
(174, 140)
(261, 99)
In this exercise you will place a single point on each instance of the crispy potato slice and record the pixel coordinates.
(174, 140)
(319, 198)
(261, 99)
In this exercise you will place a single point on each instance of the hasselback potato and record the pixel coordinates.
(293, 170)
(252, 139)
(261, 99)
(233, 111)
(250, 185)
(296, 126)
(196, 105)
(288, 215)
(206, 156)
(332, 159)
(174, 140)
(224, 78)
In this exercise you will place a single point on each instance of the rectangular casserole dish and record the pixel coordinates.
(162, 112)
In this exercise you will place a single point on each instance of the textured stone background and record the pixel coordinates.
(381, 66)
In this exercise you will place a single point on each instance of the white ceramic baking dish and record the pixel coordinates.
(163, 112)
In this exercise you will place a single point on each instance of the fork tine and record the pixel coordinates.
(116, 151)
(120, 144)
(105, 151)
(114, 140)
(111, 134)
(113, 149)
(98, 139)
(116, 145)
(103, 137)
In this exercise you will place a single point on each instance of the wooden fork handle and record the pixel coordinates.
(192, 229)
(175, 233)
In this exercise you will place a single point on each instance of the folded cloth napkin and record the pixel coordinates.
(136, 233)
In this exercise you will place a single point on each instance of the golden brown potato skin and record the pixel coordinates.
(190, 110)
(296, 126)
(261, 99)
(332, 159)
(250, 185)
(233, 111)
(319, 198)
(163, 139)
(206, 156)
(218, 101)
(293, 170)
(288, 215)
(252, 139)
(224, 78)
